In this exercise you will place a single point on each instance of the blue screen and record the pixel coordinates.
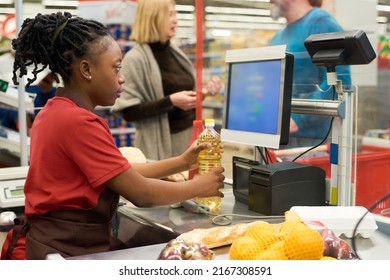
(254, 92)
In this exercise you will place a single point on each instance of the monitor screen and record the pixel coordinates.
(258, 97)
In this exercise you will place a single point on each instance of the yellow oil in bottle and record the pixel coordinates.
(209, 159)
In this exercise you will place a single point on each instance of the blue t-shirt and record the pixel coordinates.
(306, 74)
(8, 118)
(40, 98)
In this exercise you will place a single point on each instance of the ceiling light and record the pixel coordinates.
(59, 3)
(6, 11)
(181, 16)
(383, 8)
(7, 2)
(237, 11)
(221, 33)
(242, 25)
(185, 8)
(381, 19)
(238, 18)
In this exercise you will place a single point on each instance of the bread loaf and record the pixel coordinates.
(216, 236)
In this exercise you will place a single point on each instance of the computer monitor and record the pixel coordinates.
(258, 96)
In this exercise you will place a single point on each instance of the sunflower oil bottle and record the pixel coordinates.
(209, 159)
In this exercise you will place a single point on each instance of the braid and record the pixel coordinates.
(54, 41)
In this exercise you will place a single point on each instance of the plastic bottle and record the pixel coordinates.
(209, 159)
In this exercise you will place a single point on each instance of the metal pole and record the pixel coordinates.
(344, 189)
(342, 110)
(22, 94)
(317, 107)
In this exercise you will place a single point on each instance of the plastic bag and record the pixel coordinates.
(334, 246)
(177, 249)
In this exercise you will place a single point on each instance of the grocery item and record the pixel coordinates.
(133, 154)
(336, 247)
(291, 240)
(216, 236)
(209, 159)
(178, 249)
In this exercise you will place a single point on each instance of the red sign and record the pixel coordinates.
(8, 28)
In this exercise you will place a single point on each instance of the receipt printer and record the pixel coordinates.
(275, 188)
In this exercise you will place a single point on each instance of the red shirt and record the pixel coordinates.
(72, 155)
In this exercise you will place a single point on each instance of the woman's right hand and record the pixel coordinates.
(293, 126)
(211, 183)
(185, 100)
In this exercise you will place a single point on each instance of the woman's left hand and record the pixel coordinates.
(213, 87)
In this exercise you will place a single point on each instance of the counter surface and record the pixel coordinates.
(147, 230)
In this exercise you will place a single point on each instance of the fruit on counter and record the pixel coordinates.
(291, 240)
(336, 247)
(264, 233)
(243, 247)
(177, 249)
(273, 252)
(301, 242)
(327, 258)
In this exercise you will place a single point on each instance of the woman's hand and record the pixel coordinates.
(211, 183)
(213, 87)
(185, 100)
(190, 156)
(293, 126)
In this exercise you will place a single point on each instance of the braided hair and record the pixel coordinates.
(54, 41)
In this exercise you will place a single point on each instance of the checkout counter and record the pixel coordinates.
(147, 230)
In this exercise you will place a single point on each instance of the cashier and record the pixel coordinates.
(76, 172)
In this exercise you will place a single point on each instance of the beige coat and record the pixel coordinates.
(143, 83)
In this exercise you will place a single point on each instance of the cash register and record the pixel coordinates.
(272, 189)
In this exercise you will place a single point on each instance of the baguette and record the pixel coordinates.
(216, 236)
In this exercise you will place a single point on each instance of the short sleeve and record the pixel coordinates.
(95, 152)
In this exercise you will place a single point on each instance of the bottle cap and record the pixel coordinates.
(209, 122)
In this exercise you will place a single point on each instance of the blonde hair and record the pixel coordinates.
(151, 21)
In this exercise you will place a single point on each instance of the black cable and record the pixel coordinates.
(222, 219)
(225, 219)
(372, 207)
(327, 134)
(319, 144)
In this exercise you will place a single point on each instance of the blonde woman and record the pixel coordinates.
(159, 96)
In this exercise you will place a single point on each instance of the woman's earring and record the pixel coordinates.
(89, 77)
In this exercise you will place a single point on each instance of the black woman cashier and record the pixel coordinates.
(76, 172)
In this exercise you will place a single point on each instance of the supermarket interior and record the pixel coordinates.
(337, 183)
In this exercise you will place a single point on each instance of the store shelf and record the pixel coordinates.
(11, 98)
(122, 130)
(12, 142)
